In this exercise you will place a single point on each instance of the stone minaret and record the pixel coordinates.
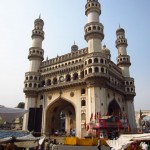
(32, 77)
(95, 63)
(123, 61)
(93, 29)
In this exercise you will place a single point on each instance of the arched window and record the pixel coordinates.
(82, 91)
(96, 69)
(90, 70)
(82, 75)
(42, 83)
(55, 81)
(85, 63)
(26, 78)
(31, 77)
(35, 78)
(75, 76)
(89, 61)
(48, 82)
(102, 70)
(94, 27)
(85, 72)
(41, 97)
(83, 103)
(30, 85)
(35, 85)
(68, 77)
(96, 60)
(26, 85)
(102, 61)
(89, 28)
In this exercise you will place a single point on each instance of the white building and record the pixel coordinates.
(79, 83)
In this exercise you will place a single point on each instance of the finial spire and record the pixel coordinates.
(40, 16)
(119, 26)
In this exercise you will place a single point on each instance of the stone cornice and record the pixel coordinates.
(63, 85)
(64, 69)
(64, 58)
(95, 54)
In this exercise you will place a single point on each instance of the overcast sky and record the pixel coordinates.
(64, 23)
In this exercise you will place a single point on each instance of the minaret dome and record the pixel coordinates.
(74, 47)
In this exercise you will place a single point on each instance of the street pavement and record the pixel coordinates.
(63, 147)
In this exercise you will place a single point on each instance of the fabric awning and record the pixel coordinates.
(27, 141)
(10, 114)
(126, 139)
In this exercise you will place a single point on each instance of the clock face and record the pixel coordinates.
(61, 79)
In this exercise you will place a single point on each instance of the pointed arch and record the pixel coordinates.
(54, 119)
(114, 108)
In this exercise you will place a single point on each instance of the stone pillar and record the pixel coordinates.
(131, 114)
(67, 123)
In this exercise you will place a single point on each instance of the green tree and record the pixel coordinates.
(141, 118)
(21, 105)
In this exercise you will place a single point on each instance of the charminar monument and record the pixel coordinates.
(61, 93)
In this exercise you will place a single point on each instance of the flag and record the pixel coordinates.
(97, 115)
(85, 124)
(91, 117)
(129, 128)
(87, 127)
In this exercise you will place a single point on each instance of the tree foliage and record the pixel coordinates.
(21, 105)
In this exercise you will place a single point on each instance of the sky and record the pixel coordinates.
(64, 22)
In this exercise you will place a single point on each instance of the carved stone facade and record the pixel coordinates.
(78, 84)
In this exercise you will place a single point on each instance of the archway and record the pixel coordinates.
(60, 117)
(114, 108)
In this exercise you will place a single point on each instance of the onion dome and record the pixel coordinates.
(74, 47)
(120, 30)
(105, 50)
(39, 20)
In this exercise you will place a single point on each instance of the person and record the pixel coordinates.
(144, 146)
(41, 147)
(11, 146)
(99, 144)
(50, 145)
(46, 145)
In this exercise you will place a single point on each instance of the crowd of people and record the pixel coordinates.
(45, 145)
